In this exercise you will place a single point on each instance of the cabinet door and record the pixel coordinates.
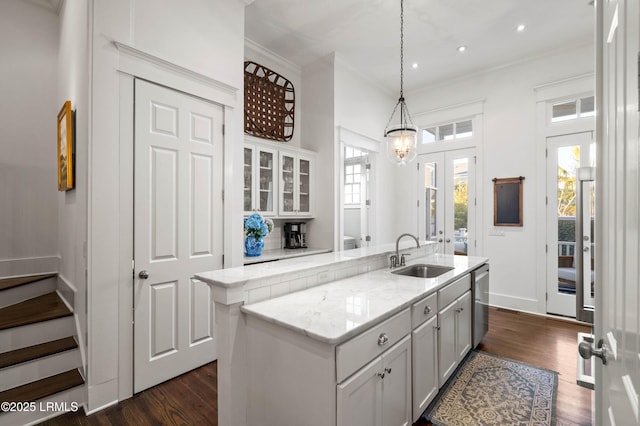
(424, 347)
(249, 173)
(266, 161)
(287, 184)
(358, 398)
(463, 325)
(396, 384)
(304, 186)
(447, 353)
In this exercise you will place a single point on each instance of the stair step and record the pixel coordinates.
(8, 283)
(42, 388)
(42, 308)
(19, 356)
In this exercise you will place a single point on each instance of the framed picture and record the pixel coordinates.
(65, 148)
(507, 201)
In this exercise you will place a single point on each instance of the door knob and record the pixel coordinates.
(586, 351)
(144, 275)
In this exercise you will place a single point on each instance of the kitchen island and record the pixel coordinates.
(289, 332)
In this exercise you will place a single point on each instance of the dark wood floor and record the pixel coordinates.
(191, 399)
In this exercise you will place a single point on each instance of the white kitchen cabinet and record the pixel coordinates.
(424, 348)
(295, 184)
(260, 180)
(454, 335)
(379, 393)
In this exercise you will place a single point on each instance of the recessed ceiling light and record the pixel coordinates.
(462, 48)
(414, 65)
(520, 28)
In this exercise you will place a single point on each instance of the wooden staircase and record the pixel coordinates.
(40, 361)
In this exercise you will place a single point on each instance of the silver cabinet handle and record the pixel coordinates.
(144, 275)
(383, 339)
(427, 310)
(387, 370)
(381, 375)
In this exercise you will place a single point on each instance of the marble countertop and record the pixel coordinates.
(238, 276)
(337, 311)
(278, 254)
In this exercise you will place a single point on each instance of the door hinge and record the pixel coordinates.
(223, 260)
(223, 195)
(223, 130)
(475, 160)
(546, 200)
(418, 166)
(546, 152)
(367, 238)
(367, 166)
(475, 201)
(546, 248)
(133, 267)
(367, 203)
(418, 203)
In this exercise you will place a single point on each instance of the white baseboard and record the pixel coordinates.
(515, 303)
(28, 266)
(67, 292)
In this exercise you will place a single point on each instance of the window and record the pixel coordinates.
(354, 169)
(448, 132)
(573, 109)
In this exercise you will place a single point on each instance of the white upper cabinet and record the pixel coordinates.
(260, 180)
(295, 184)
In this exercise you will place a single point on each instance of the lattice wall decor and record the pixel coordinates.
(269, 101)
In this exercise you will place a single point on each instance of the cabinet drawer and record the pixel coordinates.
(354, 353)
(424, 309)
(454, 290)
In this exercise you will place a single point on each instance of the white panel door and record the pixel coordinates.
(358, 397)
(178, 231)
(617, 229)
(424, 347)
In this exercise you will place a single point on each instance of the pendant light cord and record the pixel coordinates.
(401, 49)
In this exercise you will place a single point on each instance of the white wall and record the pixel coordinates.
(362, 107)
(73, 85)
(318, 133)
(509, 149)
(206, 37)
(29, 107)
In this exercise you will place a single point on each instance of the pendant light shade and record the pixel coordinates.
(401, 133)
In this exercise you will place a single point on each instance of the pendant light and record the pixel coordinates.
(402, 135)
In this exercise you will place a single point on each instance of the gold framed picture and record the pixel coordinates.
(65, 148)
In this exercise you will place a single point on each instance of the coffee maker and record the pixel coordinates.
(295, 235)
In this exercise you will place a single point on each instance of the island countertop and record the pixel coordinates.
(334, 312)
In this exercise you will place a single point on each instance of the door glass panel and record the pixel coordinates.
(460, 205)
(431, 190)
(568, 163)
(304, 185)
(266, 181)
(248, 162)
(287, 183)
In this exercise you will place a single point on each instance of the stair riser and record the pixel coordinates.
(27, 291)
(40, 368)
(74, 398)
(33, 334)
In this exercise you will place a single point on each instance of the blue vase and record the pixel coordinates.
(253, 246)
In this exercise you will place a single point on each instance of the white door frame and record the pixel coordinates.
(136, 64)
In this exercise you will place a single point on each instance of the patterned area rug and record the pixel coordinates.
(491, 390)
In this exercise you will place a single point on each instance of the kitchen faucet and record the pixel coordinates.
(397, 259)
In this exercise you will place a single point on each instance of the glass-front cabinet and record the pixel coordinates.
(260, 166)
(295, 185)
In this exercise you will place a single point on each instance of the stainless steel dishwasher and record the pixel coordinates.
(480, 277)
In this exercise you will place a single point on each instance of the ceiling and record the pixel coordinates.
(366, 34)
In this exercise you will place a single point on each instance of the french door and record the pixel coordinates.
(446, 200)
(570, 224)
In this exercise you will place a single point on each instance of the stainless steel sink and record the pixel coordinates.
(422, 270)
